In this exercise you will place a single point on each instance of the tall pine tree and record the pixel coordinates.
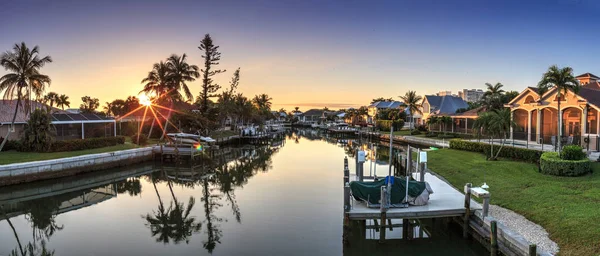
(211, 56)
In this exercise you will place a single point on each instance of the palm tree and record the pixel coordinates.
(413, 104)
(432, 120)
(492, 98)
(108, 108)
(23, 65)
(445, 120)
(563, 80)
(262, 102)
(181, 72)
(157, 80)
(62, 101)
(51, 98)
(296, 109)
(497, 122)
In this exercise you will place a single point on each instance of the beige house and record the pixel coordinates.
(537, 115)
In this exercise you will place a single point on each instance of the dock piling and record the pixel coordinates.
(346, 171)
(346, 197)
(467, 210)
(532, 250)
(493, 238)
(408, 161)
(383, 209)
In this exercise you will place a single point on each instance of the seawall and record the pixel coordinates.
(55, 168)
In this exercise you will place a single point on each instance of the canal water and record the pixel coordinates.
(282, 199)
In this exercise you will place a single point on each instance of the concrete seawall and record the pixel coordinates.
(416, 140)
(47, 169)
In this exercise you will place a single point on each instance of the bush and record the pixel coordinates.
(39, 132)
(431, 134)
(551, 163)
(143, 139)
(384, 125)
(572, 152)
(79, 144)
(422, 128)
(11, 145)
(415, 132)
(521, 154)
(446, 136)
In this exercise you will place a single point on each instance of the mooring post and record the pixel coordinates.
(405, 227)
(467, 210)
(486, 205)
(493, 238)
(346, 197)
(422, 171)
(408, 161)
(346, 171)
(383, 210)
(532, 250)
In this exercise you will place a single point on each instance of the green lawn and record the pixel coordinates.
(567, 207)
(10, 157)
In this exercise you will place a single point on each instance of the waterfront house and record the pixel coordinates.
(537, 115)
(68, 125)
(312, 115)
(446, 105)
(377, 106)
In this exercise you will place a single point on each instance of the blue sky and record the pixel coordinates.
(308, 53)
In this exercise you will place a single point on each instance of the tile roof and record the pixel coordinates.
(445, 104)
(535, 89)
(387, 104)
(587, 75)
(593, 85)
(591, 95)
(313, 112)
(7, 111)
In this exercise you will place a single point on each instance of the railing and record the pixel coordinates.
(589, 142)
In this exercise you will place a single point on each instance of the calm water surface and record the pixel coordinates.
(284, 199)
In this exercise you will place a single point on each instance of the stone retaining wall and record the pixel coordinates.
(39, 170)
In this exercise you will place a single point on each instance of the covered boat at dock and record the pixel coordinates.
(370, 191)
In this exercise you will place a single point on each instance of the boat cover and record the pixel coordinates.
(418, 192)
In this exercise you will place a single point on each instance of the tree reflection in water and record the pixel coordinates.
(218, 179)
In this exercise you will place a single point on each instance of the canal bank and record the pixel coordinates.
(55, 168)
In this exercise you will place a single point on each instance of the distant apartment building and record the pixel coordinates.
(471, 95)
(445, 93)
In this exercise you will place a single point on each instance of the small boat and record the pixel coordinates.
(184, 138)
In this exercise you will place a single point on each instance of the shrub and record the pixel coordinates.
(12, 145)
(140, 139)
(415, 132)
(551, 163)
(39, 132)
(446, 136)
(431, 134)
(422, 128)
(384, 125)
(91, 143)
(572, 152)
(522, 154)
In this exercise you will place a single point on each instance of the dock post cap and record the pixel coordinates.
(347, 184)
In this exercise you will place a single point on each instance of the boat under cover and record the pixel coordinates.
(370, 191)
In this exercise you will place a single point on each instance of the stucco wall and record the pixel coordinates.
(38, 170)
(13, 135)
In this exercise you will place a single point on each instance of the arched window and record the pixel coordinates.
(529, 100)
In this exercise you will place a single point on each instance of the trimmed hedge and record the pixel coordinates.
(384, 125)
(552, 164)
(415, 132)
(81, 144)
(449, 135)
(521, 154)
(572, 152)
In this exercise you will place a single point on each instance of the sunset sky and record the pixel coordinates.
(307, 53)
